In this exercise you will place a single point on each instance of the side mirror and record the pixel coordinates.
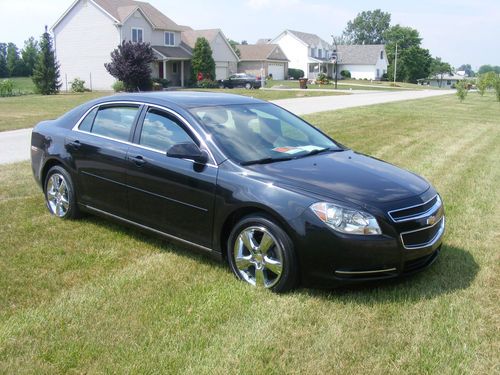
(188, 150)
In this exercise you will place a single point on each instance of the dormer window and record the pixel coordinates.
(169, 38)
(137, 35)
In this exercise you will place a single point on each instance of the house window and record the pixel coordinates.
(381, 55)
(169, 38)
(448, 82)
(137, 35)
(174, 67)
(313, 52)
(320, 53)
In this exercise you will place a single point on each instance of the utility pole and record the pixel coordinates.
(396, 63)
(336, 58)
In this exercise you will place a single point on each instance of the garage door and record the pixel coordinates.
(277, 70)
(221, 70)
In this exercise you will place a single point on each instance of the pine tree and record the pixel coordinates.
(46, 71)
(202, 61)
(4, 72)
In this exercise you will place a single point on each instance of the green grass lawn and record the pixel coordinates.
(273, 95)
(23, 85)
(354, 84)
(91, 296)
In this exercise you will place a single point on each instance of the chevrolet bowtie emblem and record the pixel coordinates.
(431, 220)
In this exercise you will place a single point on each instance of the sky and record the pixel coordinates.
(458, 31)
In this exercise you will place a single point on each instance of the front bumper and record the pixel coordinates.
(329, 258)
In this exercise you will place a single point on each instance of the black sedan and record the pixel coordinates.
(244, 180)
(240, 80)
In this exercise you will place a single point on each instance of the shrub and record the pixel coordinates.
(202, 63)
(345, 74)
(496, 86)
(6, 87)
(322, 79)
(118, 86)
(462, 91)
(295, 73)
(207, 84)
(78, 85)
(162, 82)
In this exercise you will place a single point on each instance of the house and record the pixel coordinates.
(367, 61)
(87, 33)
(444, 81)
(226, 60)
(255, 58)
(307, 52)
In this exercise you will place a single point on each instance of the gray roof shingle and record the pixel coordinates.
(309, 39)
(360, 54)
(260, 52)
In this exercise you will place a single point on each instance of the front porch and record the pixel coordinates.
(315, 68)
(177, 72)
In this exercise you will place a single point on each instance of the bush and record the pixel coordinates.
(295, 73)
(322, 79)
(496, 86)
(345, 74)
(162, 82)
(78, 85)
(6, 87)
(118, 86)
(207, 84)
(462, 90)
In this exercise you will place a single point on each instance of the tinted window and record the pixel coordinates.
(115, 122)
(86, 124)
(161, 131)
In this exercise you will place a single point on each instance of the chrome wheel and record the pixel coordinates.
(58, 195)
(258, 257)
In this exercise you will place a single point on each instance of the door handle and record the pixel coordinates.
(138, 160)
(75, 144)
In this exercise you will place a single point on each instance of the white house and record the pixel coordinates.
(443, 80)
(307, 52)
(226, 60)
(367, 61)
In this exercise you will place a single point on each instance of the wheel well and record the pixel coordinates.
(237, 216)
(46, 168)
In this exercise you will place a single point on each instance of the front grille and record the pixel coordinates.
(414, 212)
(414, 265)
(422, 237)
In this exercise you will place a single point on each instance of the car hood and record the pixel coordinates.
(346, 176)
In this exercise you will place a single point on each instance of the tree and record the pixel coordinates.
(29, 54)
(46, 70)
(234, 46)
(462, 90)
(131, 64)
(488, 68)
(467, 69)
(4, 72)
(15, 65)
(439, 68)
(369, 27)
(413, 63)
(406, 38)
(244, 42)
(202, 61)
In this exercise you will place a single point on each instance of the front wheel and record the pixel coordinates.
(261, 253)
(248, 85)
(60, 194)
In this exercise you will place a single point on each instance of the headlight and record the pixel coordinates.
(346, 220)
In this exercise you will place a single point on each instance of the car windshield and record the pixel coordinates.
(261, 133)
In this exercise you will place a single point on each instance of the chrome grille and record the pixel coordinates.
(416, 212)
(423, 237)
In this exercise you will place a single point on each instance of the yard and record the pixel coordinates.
(91, 296)
(348, 84)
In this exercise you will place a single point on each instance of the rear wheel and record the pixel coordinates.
(60, 194)
(261, 254)
(248, 85)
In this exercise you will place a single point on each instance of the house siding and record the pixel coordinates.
(137, 20)
(225, 60)
(294, 50)
(83, 41)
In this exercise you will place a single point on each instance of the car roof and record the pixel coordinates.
(186, 99)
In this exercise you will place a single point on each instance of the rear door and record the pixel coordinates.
(174, 196)
(98, 147)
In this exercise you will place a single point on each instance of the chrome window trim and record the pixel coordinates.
(438, 235)
(434, 207)
(170, 236)
(168, 110)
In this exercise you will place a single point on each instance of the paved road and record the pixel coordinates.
(15, 145)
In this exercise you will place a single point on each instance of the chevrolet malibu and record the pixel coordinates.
(244, 180)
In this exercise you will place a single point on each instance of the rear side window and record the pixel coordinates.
(86, 124)
(114, 122)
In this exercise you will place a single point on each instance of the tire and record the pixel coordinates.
(271, 262)
(60, 194)
(248, 85)
(222, 87)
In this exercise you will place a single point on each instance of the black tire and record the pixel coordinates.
(222, 86)
(248, 85)
(281, 251)
(61, 202)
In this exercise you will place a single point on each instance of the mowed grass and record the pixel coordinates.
(274, 95)
(26, 111)
(355, 84)
(91, 296)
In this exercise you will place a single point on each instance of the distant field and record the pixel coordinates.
(91, 296)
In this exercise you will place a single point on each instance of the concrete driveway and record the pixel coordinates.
(15, 145)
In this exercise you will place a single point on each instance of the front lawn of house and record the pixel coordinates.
(92, 296)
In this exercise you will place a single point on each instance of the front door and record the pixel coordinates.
(175, 196)
(160, 69)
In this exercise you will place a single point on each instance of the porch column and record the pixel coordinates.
(164, 69)
(182, 73)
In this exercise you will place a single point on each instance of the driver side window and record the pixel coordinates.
(160, 131)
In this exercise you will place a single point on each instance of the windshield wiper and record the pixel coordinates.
(319, 151)
(265, 160)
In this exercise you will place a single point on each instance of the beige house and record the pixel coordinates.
(267, 58)
(226, 60)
